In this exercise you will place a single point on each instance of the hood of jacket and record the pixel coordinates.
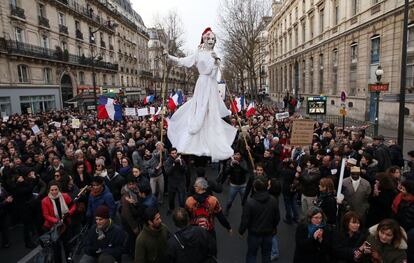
(403, 244)
(261, 197)
(188, 235)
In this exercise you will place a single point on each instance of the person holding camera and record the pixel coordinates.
(175, 169)
(313, 238)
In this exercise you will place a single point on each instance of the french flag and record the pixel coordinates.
(148, 99)
(109, 109)
(238, 104)
(250, 110)
(154, 117)
(175, 100)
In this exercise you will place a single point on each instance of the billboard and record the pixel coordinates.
(316, 105)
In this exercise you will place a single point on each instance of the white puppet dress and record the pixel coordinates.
(197, 126)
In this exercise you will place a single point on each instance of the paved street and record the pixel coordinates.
(231, 249)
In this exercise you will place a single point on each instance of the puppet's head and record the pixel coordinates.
(208, 39)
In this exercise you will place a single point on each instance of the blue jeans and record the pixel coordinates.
(275, 247)
(254, 242)
(291, 207)
(234, 189)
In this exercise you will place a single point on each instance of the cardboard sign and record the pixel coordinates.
(222, 90)
(143, 112)
(35, 129)
(75, 123)
(130, 112)
(281, 116)
(302, 132)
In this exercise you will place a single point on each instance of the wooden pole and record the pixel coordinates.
(163, 108)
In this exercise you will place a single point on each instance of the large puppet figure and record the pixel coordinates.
(197, 127)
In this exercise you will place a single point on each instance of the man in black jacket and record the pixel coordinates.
(260, 217)
(190, 243)
(175, 170)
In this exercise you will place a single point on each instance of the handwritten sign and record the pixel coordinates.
(302, 132)
(143, 112)
(36, 129)
(281, 116)
(130, 112)
(75, 123)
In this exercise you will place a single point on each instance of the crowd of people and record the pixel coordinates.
(114, 176)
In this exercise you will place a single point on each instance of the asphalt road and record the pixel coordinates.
(231, 248)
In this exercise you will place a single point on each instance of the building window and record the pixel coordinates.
(352, 79)
(375, 49)
(354, 53)
(296, 36)
(311, 75)
(47, 75)
(104, 79)
(321, 21)
(335, 71)
(311, 25)
(81, 78)
(23, 74)
(296, 13)
(336, 12)
(410, 41)
(375, 2)
(45, 42)
(321, 73)
(80, 51)
(304, 76)
(5, 105)
(303, 7)
(36, 104)
(354, 7)
(19, 34)
(64, 45)
(113, 79)
(77, 25)
(61, 19)
(42, 10)
(410, 74)
(13, 3)
(303, 32)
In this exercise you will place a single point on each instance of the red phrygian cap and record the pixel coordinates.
(208, 29)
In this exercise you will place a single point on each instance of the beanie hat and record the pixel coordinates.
(100, 161)
(102, 211)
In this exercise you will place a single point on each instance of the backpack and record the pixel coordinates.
(201, 215)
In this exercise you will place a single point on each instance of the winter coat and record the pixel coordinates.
(369, 172)
(112, 243)
(380, 206)
(237, 173)
(405, 214)
(309, 250)
(327, 202)
(191, 244)
(383, 156)
(151, 245)
(344, 245)
(176, 174)
(357, 200)
(49, 212)
(115, 184)
(261, 215)
(104, 198)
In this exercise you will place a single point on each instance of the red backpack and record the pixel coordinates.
(201, 215)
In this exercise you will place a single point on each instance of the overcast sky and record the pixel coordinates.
(195, 15)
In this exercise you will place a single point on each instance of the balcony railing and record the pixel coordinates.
(79, 34)
(87, 13)
(43, 21)
(17, 11)
(63, 29)
(19, 48)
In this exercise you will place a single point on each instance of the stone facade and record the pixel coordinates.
(49, 49)
(328, 46)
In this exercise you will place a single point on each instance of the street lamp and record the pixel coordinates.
(378, 73)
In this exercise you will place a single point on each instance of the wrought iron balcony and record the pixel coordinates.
(22, 49)
(63, 29)
(79, 34)
(17, 11)
(43, 21)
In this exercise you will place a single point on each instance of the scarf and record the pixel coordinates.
(397, 200)
(101, 231)
(125, 170)
(312, 229)
(63, 206)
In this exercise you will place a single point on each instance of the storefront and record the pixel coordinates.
(29, 100)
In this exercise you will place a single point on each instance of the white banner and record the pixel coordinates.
(281, 116)
(75, 123)
(152, 110)
(130, 112)
(57, 124)
(36, 129)
(143, 112)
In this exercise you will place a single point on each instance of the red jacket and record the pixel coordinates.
(49, 213)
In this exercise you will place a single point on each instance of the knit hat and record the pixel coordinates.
(100, 161)
(102, 211)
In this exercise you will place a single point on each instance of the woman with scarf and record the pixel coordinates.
(326, 200)
(403, 205)
(313, 238)
(126, 167)
(57, 208)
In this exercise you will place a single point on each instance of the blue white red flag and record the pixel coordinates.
(250, 110)
(175, 100)
(108, 108)
(148, 99)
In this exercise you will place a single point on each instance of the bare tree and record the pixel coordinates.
(241, 24)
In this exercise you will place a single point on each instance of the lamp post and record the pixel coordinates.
(378, 73)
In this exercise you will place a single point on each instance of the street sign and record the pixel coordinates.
(343, 96)
(378, 87)
(342, 112)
